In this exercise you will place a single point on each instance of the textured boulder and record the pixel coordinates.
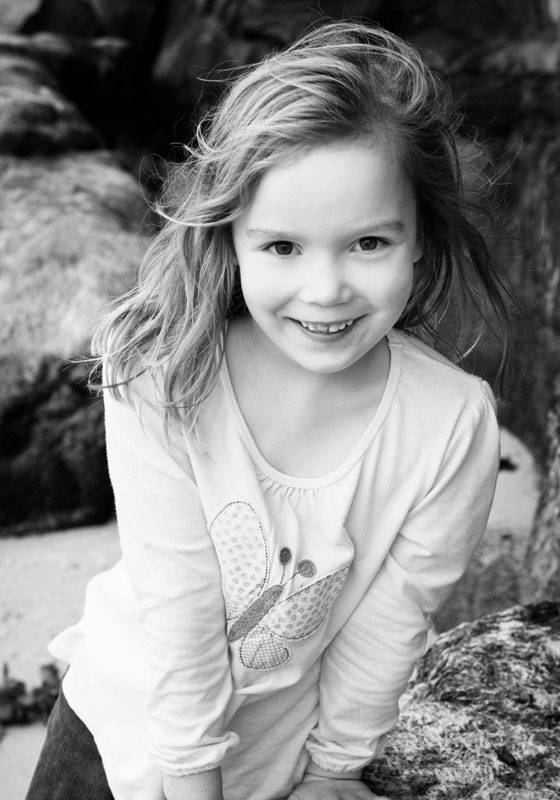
(534, 199)
(543, 553)
(15, 13)
(481, 718)
(69, 241)
(128, 19)
(60, 94)
(35, 117)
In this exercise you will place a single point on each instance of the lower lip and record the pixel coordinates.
(316, 336)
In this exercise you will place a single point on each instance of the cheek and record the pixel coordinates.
(408, 284)
(395, 287)
(259, 286)
(400, 296)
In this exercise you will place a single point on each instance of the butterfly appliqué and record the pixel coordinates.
(262, 616)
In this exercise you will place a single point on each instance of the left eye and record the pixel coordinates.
(368, 243)
(282, 248)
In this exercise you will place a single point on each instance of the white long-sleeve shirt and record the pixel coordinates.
(257, 619)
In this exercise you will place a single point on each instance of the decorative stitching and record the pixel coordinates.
(257, 616)
(243, 555)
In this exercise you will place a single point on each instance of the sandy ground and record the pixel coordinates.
(42, 582)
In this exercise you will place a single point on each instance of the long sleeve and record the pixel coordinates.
(173, 569)
(367, 666)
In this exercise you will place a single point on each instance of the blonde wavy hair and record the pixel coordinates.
(344, 80)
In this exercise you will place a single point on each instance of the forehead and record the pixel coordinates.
(332, 184)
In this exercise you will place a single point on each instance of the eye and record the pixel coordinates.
(281, 248)
(369, 243)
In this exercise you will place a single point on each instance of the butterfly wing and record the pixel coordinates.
(242, 553)
(261, 649)
(300, 614)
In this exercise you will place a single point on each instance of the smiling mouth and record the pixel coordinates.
(326, 328)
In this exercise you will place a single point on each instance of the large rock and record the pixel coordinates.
(75, 18)
(543, 553)
(60, 93)
(69, 241)
(35, 117)
(481, 718)
(534, 203)
(132, 20)
(15, 13)
(101, 53)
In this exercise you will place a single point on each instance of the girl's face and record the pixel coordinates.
(326, 248)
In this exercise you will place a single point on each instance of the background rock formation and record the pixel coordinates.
(69, 241)
(543, 553)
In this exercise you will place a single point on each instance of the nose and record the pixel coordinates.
(324, 281)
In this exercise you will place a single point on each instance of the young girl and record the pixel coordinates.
(299, 478)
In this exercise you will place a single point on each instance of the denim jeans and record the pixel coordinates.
(69, 767)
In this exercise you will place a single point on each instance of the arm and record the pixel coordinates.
(367, 666)
(171, 562)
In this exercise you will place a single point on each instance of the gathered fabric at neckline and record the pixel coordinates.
(356, 452)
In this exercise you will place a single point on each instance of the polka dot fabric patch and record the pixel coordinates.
(241, 549)
(302, 613)
(261, 615)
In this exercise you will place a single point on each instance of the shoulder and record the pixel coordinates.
(432, 382)
(438, 408)
(443, 419)
(136, 414)
(138, 396)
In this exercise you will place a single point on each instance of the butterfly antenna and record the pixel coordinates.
(285, 558)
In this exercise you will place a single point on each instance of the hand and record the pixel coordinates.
(314, 788)
(202, 785)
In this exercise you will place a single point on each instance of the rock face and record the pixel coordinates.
(35, 117)
(69, 241)
(482, 716)
(543, 553)
(63, 94)
(538, 187)
(15, 13)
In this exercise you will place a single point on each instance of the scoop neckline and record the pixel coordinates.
(295, 481)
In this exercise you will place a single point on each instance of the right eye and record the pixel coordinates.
(281, 248)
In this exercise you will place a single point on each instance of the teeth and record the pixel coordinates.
(333, 327)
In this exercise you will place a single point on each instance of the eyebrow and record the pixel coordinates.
(389, 225)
